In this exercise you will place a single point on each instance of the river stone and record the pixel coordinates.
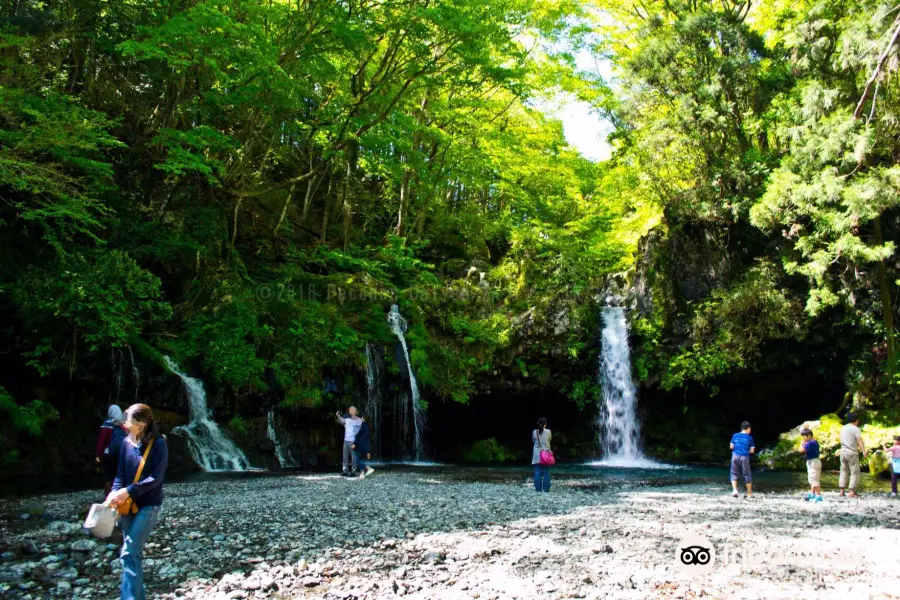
(66, 573)
(84, 546)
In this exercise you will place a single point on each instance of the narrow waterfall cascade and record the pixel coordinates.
(372, 406)
(620, 433)
(115, 360)
(398, 327)
(208, 445)
(283, 454)
(135, 374)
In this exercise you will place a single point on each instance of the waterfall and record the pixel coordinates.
(372, 406)
(620, 430)
(209, 447)
(135, 374)
(398, 327)
(284, 457)
(116, 358)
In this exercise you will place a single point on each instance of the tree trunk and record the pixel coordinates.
(311, 187)
(234, 220)
(284, 208)
(347, 206)
(402, 212)
(324, 233)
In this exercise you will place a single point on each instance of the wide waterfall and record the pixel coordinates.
(209, 447)
(398, 327)
(285, 459)
(372, 405)
(620, 434)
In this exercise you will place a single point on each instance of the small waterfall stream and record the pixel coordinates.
(372, 405)
(135, 374)
(398, 327)
(283, 455)
(209, 447)
(620, 435)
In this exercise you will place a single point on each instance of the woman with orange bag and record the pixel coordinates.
(138, 493)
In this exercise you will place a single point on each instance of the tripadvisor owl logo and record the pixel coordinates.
(695, 555)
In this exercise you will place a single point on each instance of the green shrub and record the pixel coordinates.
(489, 450)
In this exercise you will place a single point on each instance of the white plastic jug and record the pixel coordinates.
(101, 520)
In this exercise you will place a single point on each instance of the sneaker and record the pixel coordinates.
(361, 475)
(734, 494)
(369, 471)
(892, 495)
(345, 473)
(818, 498)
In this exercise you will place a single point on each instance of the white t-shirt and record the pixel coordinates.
(850, 436)
(351, 428)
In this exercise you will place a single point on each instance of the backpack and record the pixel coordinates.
(115, 443)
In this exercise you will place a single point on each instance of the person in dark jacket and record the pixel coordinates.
(362, 446)
(109, 443)
(146, 493)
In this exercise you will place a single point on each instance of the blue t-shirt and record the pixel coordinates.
(742, 443)
(812, 449)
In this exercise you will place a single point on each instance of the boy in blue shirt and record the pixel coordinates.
(742, 446)
(813, 464)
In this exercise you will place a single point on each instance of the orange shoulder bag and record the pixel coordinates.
(127, 506)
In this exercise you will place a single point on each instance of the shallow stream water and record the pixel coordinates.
(578, 475)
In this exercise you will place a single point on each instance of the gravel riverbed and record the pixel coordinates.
(431, 535)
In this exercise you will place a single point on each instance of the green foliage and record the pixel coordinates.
(237, 426)
(827, 431)
(489, 451)
(28, 418)
(102, 298)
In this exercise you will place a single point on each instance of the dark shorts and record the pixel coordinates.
(740, 465)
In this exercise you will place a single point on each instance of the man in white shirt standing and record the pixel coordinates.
(851, 445)
(351, 424)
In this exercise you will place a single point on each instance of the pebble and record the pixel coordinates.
(399, 534)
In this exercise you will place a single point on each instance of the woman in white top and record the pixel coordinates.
(541, 438)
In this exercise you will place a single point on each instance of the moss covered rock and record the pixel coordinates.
(827, 430)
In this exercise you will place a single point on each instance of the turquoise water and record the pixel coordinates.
(587, 475)
(573, 475)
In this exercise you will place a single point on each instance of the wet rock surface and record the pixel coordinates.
(432, 536)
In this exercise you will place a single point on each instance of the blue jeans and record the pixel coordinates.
(135, 531)
(542, 478)
(360, 460)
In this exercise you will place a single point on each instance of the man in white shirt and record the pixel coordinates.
(851, 445)
(351, 424)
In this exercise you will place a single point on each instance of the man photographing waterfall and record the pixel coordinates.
(351, 424)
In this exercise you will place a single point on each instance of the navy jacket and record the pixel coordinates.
(148, 491)
(363, 440)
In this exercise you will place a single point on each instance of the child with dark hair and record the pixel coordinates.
(894, 453)
(742, 446)
(810, 447)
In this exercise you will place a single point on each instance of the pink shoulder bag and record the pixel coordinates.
(546, 459)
